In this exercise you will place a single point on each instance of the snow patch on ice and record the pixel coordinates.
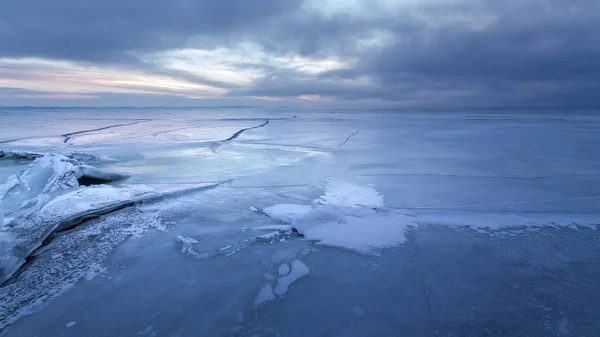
(365, 235)
(347, 194)
(70, 324)
(344, 216)
(299, 270)
(287, 212)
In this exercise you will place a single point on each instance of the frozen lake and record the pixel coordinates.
(282, 222)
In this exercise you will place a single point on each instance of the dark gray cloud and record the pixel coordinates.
(106, 30)
(538, 52)
(470, 52)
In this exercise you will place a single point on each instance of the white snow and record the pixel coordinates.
(299, 270)
(344, 217)
(362, 234)
(343, 193)
(70, 324)
(265, 295)
(283, 269)
(287, 212)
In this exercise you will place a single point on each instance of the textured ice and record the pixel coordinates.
(448, 179)
(45, 197)
(25, 233)
(298, 270)
(46, 177)
(72, 256)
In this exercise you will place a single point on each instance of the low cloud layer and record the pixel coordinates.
(401, 53)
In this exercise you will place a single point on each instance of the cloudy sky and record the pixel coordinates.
(427, 53)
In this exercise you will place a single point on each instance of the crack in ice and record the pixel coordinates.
(68, 136)
(237, 134)
(348, 138)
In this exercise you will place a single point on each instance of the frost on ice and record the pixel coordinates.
(46, 196)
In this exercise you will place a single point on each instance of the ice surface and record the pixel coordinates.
(187, 247)
(72, 256)
(298, 270)
(456, 222)
(265, 295)
(23, 234)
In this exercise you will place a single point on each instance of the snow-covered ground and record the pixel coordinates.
(253, 222)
